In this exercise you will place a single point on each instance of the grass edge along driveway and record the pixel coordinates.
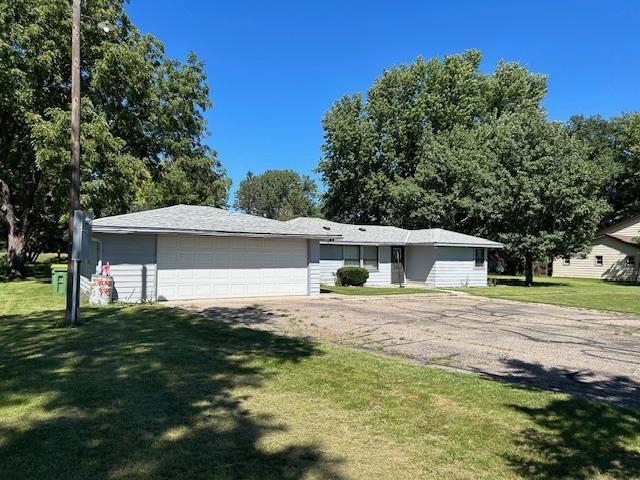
(147, 392)
(568, 292)
(366, 291)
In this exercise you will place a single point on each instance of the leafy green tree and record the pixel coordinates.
(614, 145)
(548, 199)
(439, 144)
(142, 121)
(278, 194)
(378, 154)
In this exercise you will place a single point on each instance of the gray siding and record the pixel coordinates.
(382, 276)
(419, 263)
(313, 267)
(455, 267)
(328, 269)
(133, 265)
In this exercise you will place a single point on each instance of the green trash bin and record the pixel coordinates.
(59, 278)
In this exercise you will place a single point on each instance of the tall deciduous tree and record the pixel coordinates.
(278, 194)
(548, 199)
(439, 144)
(614, 145)
(379, 153)
(142, 120)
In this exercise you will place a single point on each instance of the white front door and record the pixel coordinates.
(191, 266)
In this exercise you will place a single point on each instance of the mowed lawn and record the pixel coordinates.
(147, 392)
(571, 292)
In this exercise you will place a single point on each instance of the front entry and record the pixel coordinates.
(397, 265)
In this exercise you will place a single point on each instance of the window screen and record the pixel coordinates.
(370, 257)
(479, 254)
(330, 252)
(351, 255)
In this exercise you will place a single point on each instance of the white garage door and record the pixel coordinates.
(208, 267)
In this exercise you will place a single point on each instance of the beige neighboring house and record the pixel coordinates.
(615, 255)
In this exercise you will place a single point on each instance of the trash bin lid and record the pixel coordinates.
(59, 266)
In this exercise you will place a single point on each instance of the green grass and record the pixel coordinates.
(374, 290)
(572, 292)
(145, 392)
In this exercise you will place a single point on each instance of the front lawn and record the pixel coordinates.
(145, 392)
(571, 292)
(375, 290)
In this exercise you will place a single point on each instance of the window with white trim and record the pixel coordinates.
(479, 257)
(631, 261)
(599, 260)
(566, 260)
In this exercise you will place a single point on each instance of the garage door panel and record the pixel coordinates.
(203, 242)
(186, 241)
(209, 267)
(167, 241)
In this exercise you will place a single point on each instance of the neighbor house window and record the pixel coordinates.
(370, 257)
(631, 261)
(479, 257)
(330, 252)
(351, 255)
(599, 260)
(566, 260)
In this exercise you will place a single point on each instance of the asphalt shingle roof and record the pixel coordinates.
(193, 219)
(378, 234)
(203, 220)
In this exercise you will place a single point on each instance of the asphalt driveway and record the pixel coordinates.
(586, 352)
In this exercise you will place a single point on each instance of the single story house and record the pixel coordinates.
(431, 257)
(190, 252)
(614, 255)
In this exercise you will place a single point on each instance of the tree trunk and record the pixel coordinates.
(16, 250)
(528, 270)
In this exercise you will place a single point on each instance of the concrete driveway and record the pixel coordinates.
(590, 353)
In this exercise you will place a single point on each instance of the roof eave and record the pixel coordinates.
(418, 244)
(175, 231)
(470, 245)
(633, 244)
(342, 241)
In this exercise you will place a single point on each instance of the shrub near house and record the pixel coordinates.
(352, 276)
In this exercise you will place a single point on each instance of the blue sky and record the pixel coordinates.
(274, 67)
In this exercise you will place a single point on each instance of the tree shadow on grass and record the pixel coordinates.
(518, 282)
(39, 271)
(144, 392)
(574, 438)
(578, 440)
(618, 390)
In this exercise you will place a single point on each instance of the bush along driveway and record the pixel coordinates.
(149, 392)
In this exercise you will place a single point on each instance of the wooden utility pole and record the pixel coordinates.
(73, 276)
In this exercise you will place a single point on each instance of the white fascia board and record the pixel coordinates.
(172, 231)
(339, 241)
(469, 245)
(425, 244)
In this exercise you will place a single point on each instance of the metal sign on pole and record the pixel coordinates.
(80, 250)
